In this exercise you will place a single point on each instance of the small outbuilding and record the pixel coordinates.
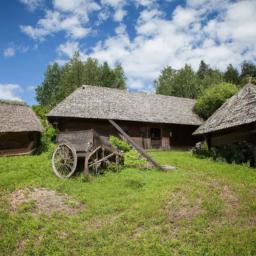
(152, 121)
(234, 121)
(20, 128)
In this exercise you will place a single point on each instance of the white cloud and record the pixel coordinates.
(119, 14)
(9, 52)
(217, 33)
(32, 4)
(68, 16)
(10, 91)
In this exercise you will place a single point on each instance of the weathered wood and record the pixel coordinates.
(137, 147)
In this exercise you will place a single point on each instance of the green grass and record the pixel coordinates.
(202, 208)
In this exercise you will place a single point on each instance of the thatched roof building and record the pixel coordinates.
(150, 119)
(236, 111)
(19, 128)
(107, 103)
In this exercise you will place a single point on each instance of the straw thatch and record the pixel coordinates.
(236, 111)
(107, 103)
(16, 116)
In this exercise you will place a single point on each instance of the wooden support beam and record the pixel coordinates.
(136, 146)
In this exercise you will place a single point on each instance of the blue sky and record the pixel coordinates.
(143, 35)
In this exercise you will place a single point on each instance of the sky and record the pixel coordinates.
(143, 35)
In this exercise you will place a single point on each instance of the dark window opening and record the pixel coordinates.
(155, 133)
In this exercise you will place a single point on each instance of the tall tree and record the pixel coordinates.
(119, 77)
(181, 83)
(248, 73)
(47, 91)
(204, 70)
(60, 82)
(164, 83)
(231, 75)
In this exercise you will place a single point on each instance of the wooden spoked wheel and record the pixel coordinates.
(98, 160)
(64, 160)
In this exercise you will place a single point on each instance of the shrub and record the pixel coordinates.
(49, 134)
(133, 159)
(119, 144)
(212, 98)
(234, 153)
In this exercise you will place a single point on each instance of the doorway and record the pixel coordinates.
(155, 135)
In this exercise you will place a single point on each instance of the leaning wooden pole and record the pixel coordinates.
(136, 146)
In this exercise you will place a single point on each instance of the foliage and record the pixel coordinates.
(119, 144)
(130, 212)
(213, 98)
(49, 134)
(233, 153)
(180, 83)
(232, 75)
(187, 83)
(59, 82)
(133, 159)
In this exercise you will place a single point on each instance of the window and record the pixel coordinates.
(155, 133)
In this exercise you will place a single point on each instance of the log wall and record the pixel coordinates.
(172, 136)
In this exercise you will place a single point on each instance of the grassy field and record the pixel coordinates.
(202, 208)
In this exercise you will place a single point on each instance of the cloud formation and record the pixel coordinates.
(217, 31)
(9, 52)
(10, 91)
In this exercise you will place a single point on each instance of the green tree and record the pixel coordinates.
(204, 70)
(213, 97)
(60, 82)
(208, 76)
(180, 83)
(248, 73)
(119, 77)
(231, 75)
(46, 93)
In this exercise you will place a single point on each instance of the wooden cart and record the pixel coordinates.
(96, 152)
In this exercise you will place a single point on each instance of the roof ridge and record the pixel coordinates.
(134, 92)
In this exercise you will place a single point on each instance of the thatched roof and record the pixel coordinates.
(106, 103)
(16, 116)
(236, 111)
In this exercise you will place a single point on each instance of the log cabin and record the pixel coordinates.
(152, 121)
(20, 128)
(234, 121)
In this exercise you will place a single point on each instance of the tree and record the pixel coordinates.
(180, 83)
(164, 84)
(208, 76)
(203, 70)
(212, 98)
(231, 75)
(60, 82)
(248, 73)
(119, 77)
(46, 93)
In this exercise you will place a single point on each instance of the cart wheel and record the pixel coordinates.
(64, 160)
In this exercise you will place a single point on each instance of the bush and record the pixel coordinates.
(49, 134)
(212, 98)
(133, 159)
(119, 144)
(234, 153)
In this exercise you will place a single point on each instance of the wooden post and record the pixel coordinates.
(137, 147)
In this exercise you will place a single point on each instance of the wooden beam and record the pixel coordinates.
(136, 146)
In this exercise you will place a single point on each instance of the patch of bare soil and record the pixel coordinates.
(181, 208)
(229, 197)
(43, 201)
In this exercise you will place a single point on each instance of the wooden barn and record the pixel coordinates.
(19, 128)
(234, 121)
(152, 121)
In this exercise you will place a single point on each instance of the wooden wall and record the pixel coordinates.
(139, 131)
(19, 143)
